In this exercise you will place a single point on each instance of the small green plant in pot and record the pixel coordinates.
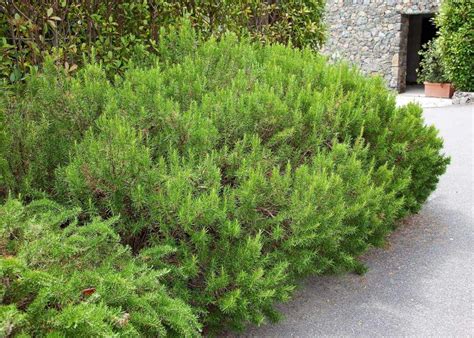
(431, 71)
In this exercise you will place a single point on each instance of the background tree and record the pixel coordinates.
(456, 28)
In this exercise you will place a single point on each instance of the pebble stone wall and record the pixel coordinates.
(372, 34)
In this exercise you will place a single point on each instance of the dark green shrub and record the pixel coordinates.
(61, 278)
(115, 31)
(456, 27)
(431, 64)
(238, 168)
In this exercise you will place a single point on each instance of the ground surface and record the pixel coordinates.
(416, 94)
(422, 283)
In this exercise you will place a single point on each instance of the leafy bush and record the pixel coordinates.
(235, 167)
(431, 65)
(62, 278)
(42, 122)
(115, 31)
(456, 26)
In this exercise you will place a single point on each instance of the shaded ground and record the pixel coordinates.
(422, 283)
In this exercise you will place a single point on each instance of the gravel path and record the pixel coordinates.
(422, 283)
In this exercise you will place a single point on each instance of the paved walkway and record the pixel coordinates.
(416, 94)
(422, 283)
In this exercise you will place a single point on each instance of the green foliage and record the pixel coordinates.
(234, 167)
(431, 65)
(41, 123)
(64, 278)
(115, 31)
(456, 27)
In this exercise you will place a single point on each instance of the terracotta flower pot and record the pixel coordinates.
(444, 90)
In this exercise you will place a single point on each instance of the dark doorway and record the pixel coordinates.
(421, 29)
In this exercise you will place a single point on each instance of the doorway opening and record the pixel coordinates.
(421, 29)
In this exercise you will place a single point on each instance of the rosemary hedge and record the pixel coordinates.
(209, 183)
(63, 279)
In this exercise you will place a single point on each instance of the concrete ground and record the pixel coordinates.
(420, 285)
(416, 94)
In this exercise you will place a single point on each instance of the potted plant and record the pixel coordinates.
(431, 71)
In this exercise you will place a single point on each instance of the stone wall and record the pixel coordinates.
(372, 34)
